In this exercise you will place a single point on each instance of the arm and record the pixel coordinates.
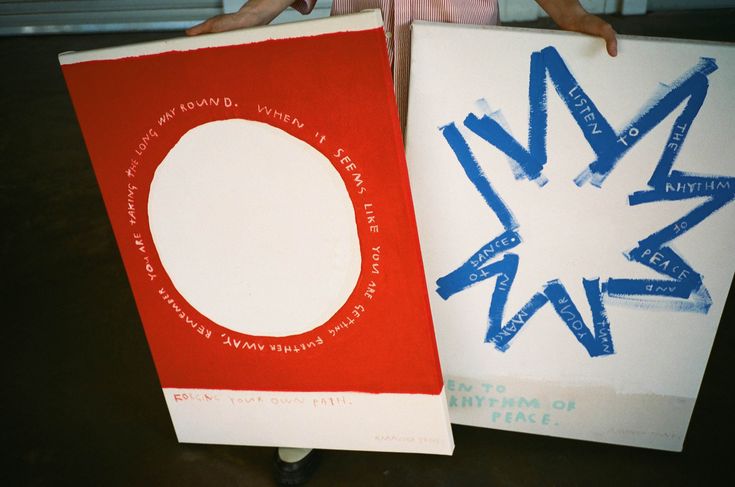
(253, 13)
(570, 15)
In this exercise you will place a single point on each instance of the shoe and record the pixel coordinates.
(295, 473)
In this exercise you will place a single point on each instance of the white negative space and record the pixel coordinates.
(255, 228)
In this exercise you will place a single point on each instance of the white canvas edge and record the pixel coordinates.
(366, 20)
(391, 422)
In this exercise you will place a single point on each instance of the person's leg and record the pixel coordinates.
(293, 455)
(295, 466)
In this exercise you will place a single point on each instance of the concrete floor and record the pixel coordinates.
(82, 400)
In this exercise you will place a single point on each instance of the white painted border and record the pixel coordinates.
(586, 412)
(367, 20)
(416, 423)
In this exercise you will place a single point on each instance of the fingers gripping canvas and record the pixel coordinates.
(576, 215)
(256, 185)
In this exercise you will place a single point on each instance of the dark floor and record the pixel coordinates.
(83, 405)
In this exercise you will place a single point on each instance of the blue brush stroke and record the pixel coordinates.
(665, 184)
(666, 261)
(680, 130)
(598, 343)
(477, 176)
(652, 287)
(682, 187)
(500, 336)
(693, 84)
(472, 271)
(688, 221)
(699, 301)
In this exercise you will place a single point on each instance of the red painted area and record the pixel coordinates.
(338, 85)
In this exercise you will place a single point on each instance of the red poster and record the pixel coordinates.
(257, 188)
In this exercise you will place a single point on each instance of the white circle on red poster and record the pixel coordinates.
(255, 228)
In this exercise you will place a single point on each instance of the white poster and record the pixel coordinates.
(576, 221)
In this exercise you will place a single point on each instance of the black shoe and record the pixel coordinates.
(295, 473)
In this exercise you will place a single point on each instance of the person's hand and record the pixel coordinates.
(252, 14)
(570, 15)
(225, 22)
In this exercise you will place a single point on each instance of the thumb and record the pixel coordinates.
(201, 28)
(598, 27)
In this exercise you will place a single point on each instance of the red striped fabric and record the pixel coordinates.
(397, 17)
